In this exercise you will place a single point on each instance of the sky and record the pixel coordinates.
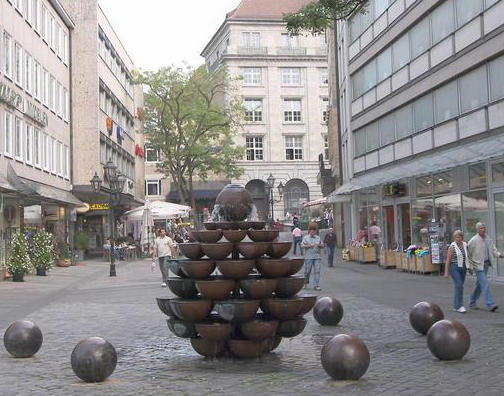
(159, 33)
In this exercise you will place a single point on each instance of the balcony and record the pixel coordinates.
(291, 51)
(252, 50)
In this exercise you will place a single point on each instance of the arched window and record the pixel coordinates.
(296, 193)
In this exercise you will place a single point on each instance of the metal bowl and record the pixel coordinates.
(235, 269)
(296, 265)
(174, 266)
(273, 268)
(263, 235)
(197, 269)
(191, 310)
(259, 328)
(217, 251)
(247, 348)
(182, 287)
(192, 250)
(258, 287)
(164, 306)
(181, 328)
(252, 250)
(309, 301)
(214, 330)
(282, 308)
(291, 328)
(255, 225)
(208, 348)
(290, 286)
(206, 236)
(210, 225)
(226, 225)
(236, 310)
(215, 288)
(234, 235)
(278, 249)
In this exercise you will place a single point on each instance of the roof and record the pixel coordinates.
(266, 9)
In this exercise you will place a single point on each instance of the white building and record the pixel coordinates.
(285, 93)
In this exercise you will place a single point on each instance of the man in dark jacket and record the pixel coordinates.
(330, 242)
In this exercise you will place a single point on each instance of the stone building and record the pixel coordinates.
(285, 93)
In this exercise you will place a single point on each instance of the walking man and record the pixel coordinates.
(482, 255)
(163, 251)
(297, 237)
(330, 242)
(312, 244)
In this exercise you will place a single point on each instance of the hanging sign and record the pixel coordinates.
(99, 206)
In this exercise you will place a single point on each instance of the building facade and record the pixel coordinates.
(35, 119)
(106, 114)
(422, 119)
(285, 92)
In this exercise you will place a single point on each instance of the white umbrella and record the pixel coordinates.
(147, 237)
(159, 211)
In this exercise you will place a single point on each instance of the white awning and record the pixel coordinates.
(320, 201)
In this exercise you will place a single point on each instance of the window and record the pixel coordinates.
(8, 134)
(59, 150)
(37, 148)
(102, 100)
(324, 77)
(152, 187)
(384, 64)
(326, 147)
(45, 87)
(47, 152)
(7, 54)
(28, 72)
(467, 10)
(369, 75)
(496, 68)
(387, 130)
(372, 137)
(29, 144)
(18, 139)
(325, 110)
(37, 80)
(57, 101)
(290, 41)
(292, 110)
(443, 182)
(52, 31)
(446, 102)
(422, 113)
(66, 104)
(251, 39)
(64, 47)
(37, 14)
(291, 76)
(57, 39)
(103, 152)
(53, 155)
(253, 110)
(477, 176)
(44, 23)
(424, 186)
(66, 163)
(400, 53)
(293, 148)
(152, 154)
(255, 148)
(443, 21)
(473, 90)
(19, 64)
(19, 5)
(420, 38)
(52, 93)
(252, 76)
(498, 173)
(29, 11)
(360, 142)
(358, 84)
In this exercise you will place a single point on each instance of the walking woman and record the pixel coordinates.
(312, 245)
(456, 266)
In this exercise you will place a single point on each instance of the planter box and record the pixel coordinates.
(424, 265)
(410, 263)
(3, 273)
(390, 259)
(368, 254)
(381, 258)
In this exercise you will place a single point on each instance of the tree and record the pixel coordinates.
(192, 117)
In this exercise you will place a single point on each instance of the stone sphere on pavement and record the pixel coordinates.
(448, 340)
(23, 339)
(94, 359)
(345, 357)
(423, 315)
(328, 311)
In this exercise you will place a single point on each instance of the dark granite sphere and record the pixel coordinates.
(234, 202)
(23, 339)
(448, 340)
(328, 311)
(345, 357)
(423, 315)
(94, 359)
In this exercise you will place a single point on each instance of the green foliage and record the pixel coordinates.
(192, 116)
(43, 255)
(62, 251)
(19, 259)
(316, 17)
(81, 241)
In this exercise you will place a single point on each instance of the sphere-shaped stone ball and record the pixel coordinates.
(345, 357)
(23, 339)
(448, 340)
(234, 203)
(328, 311)
(423, 315)
(93, 359)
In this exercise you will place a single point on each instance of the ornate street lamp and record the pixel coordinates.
(116, 183)
(270, 182)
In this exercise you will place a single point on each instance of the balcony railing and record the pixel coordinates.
(252, 50)
(291, 51)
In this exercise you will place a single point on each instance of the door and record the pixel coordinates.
(389, 217)
(403, 224)
(499, 229)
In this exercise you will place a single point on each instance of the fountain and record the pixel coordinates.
(236, 297)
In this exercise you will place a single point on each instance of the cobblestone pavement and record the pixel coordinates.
(77, 302)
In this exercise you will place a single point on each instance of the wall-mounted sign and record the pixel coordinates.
(394, 189)
(10, 97)
(36, 114)
(99, 206)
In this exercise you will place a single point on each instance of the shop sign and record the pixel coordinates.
(394, 189)
(99, 206)
(36, 114)
(10, 97)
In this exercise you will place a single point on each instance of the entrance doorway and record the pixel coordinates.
(388, 213)
(499, 229)
(403, 223)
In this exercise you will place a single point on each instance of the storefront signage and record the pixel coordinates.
(394, 190)
(10, 97)
(99, 206)
(36, 114)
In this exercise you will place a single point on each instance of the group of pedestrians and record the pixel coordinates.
(477, 257)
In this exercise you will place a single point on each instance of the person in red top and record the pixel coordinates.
(277, 226)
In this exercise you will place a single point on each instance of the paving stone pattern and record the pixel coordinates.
(77, 302)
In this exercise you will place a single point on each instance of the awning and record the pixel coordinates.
(462, 154)
(315, 202)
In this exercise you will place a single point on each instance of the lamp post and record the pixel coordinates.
(270, 182)
(116, 184)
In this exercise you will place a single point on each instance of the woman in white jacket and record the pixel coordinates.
(456, 265)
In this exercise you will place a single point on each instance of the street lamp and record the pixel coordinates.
(270, 182)
(116, 184)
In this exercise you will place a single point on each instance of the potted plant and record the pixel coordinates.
(62, 254)
(19, 262)
(43, 255)
(81, 243)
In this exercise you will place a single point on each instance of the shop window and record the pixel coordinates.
(424, 186)
(477, 176)
(497, 79)
(446, 102)
(443, 182)
(498, 173)
(421, 219)
(422, 113)
(443, 21)
(448, 212)
(473, 89)
(475, 209)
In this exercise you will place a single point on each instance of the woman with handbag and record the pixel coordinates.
(456, 266)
